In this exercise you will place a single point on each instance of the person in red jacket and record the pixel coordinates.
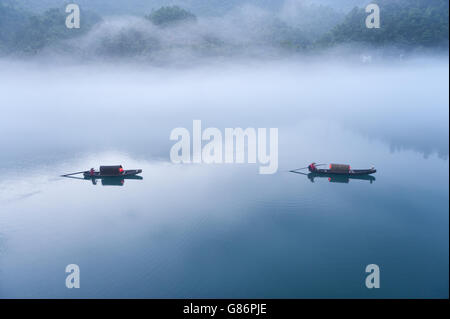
(312, 167)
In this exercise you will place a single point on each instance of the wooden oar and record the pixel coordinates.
(74, 177)
(297, 169)
(73, 173)
(298, 173)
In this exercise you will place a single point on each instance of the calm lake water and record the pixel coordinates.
(224, 230)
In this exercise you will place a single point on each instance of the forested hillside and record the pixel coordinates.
(292, 27)
(27, 32)
(403, 23)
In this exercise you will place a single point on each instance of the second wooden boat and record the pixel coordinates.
(337, 169)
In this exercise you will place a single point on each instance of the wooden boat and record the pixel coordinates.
(129, 176)
(336, 169)
(350, 172)
(107, 171)
(340, 169)
(109, 175)
(111, 171)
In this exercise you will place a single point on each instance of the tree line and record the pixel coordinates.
(404, 23)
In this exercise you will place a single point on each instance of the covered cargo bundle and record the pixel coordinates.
(339, 168)
(111, 170)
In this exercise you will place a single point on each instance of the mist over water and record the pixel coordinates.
(201, 230)
(131, 108)
(246, 31)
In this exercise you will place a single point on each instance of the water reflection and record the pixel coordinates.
(333, 178)
(218, 229)
(108, 180)
(341, 178)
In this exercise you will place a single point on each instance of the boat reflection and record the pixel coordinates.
(108, 180)
(334, 178)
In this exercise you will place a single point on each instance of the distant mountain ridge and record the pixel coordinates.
(403, 23)
(135, 7)
(295, 27)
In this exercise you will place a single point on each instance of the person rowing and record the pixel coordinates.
(312, 167)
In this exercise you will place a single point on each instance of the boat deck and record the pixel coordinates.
(350, 172)
(97, 174)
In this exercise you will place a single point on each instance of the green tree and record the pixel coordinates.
(170, 15)
(419, 23)
(22, 31)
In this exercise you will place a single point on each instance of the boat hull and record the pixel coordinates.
(352, 172)
(340, 178)
(96, 174)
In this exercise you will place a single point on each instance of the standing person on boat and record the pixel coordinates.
(312, 167)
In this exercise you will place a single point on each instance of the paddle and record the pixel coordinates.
(298, 173)
(74, 177)
(297, 169)
(73, 173)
